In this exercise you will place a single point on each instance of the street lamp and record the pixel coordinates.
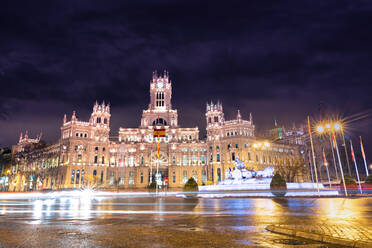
(332, 128)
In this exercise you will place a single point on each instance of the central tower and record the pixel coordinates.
(160, 92)
(160, 112)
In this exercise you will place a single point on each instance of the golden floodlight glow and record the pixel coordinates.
(320, 129)
(266, 144)
(337, 126)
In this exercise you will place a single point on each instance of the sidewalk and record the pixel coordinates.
(351, 235)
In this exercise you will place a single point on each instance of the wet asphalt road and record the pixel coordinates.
(147, 221)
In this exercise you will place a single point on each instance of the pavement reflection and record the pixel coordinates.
(119, 220)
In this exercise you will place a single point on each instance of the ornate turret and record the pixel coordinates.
(214, 113)
(100, 115)
(238, 116)
(73, 117)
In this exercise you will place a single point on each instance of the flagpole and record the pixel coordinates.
(364, 155)
(346, 153)
(339, 162)
(151, 166)
(312, 149)
(157, 166)
(356, 168)
(311, 167)
(326, 165)
(333, 155)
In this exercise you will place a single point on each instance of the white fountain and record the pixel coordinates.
(242, 179)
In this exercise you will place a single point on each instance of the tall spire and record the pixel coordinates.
(21, 136)
(275, 122)
(26, 134)
(64, 119)
(239, 117)
(73, 117)
(250, 117)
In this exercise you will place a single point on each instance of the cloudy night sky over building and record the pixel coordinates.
(276, 59)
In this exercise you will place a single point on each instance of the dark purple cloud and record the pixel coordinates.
(277, 59)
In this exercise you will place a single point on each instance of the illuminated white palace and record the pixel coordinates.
(87, 155)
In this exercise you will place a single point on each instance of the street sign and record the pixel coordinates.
(166, 180)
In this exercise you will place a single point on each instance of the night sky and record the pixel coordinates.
(276, 59)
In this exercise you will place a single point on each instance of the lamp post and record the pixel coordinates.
(321, 129)
(332, 128)
(346, 153)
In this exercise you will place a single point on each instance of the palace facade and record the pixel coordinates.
(86, 155)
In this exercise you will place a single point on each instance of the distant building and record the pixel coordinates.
(86, 155)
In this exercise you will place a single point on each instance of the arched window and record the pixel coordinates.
(95, 159)
(142, 160)
(72, 176)
(95, 173)
(82, 176)
(159, 121)
(101, 177)
(77, 176)
(218, 157)
(98, 119)
(215, 119)
(174, 176)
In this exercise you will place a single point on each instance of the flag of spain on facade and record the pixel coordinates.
(159, 132)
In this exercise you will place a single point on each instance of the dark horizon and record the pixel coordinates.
(278, 60)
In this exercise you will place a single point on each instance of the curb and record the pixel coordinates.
(319, 237)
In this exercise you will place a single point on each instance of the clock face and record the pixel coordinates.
(159, 84)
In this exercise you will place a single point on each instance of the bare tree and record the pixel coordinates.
(292, 170)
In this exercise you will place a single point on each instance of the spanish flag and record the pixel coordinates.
(159, 132)
(362, 148)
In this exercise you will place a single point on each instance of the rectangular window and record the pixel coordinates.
(236, 146)
(184, 179)
(131, 178)
(184, 159)
(218, 157)
(219, 174)
(233, 156)
(95, 159)
(249, 156)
